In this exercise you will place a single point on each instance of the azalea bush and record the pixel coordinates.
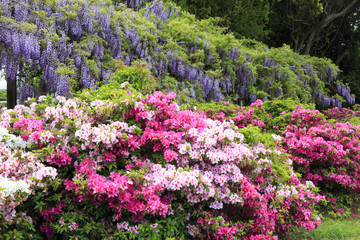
(344, 115)
(327, 154)
(324, 148)
(21, 174)
(137, 167)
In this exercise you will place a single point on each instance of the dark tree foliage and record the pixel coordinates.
(244, 18)
(311, 27)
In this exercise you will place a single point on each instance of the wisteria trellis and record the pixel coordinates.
(71, 43)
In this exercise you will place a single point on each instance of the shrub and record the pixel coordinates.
(326, 154)
(138, 75)
(138, 168)
(324, 150)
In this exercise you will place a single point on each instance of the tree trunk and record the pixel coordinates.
(11, 93)
(310, 42)
(341, 57)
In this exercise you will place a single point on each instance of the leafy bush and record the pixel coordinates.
(324, 150)
(343, 115)
(138, 168)
(327, 154)
(138, 75)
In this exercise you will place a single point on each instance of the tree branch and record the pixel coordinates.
(341, 57)
(334, 16)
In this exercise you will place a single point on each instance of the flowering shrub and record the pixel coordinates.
(137, 75)
(343, 115)
(270, 116)
(324, 150)
(239, 115)
(138, 168)
(21, 175)
(325, 153)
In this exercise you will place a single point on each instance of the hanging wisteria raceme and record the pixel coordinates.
(267, 62)
(317, 94)
(327, 101)
(26, 91)
(245, 78)
(330, 74)
(177, 68)
(163, 14)
(252, 98)
(61, 34)
(307, 67)
(344, 91)
(226, 84)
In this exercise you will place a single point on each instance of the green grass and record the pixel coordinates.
(2, 94)
(330, 230)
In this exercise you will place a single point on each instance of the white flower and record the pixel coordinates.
(11, 141)
(10, 187)
(3, 131)
(124, 84)
(276, 137)
(216, 205)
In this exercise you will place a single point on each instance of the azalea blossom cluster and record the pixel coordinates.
(239, 115)
(321, 144)
(324, 152)
(133, 163)
(344, 114)
(21, 173)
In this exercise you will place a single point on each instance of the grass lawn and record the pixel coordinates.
(331, 229)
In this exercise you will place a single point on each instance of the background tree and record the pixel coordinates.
(311, 27)
(244, 18)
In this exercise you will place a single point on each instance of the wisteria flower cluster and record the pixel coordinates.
(138, 167)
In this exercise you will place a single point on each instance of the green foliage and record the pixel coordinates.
(123, 84)
(277, 106)
(277, 113)
(253, 136)
(214, 108)
(334, 37)
(355, 120)
(246, 19)
(138, 75)
(3, 95)
(205, 44)
(183, 91)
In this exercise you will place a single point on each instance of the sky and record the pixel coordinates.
(2, 80)
(2, 84)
